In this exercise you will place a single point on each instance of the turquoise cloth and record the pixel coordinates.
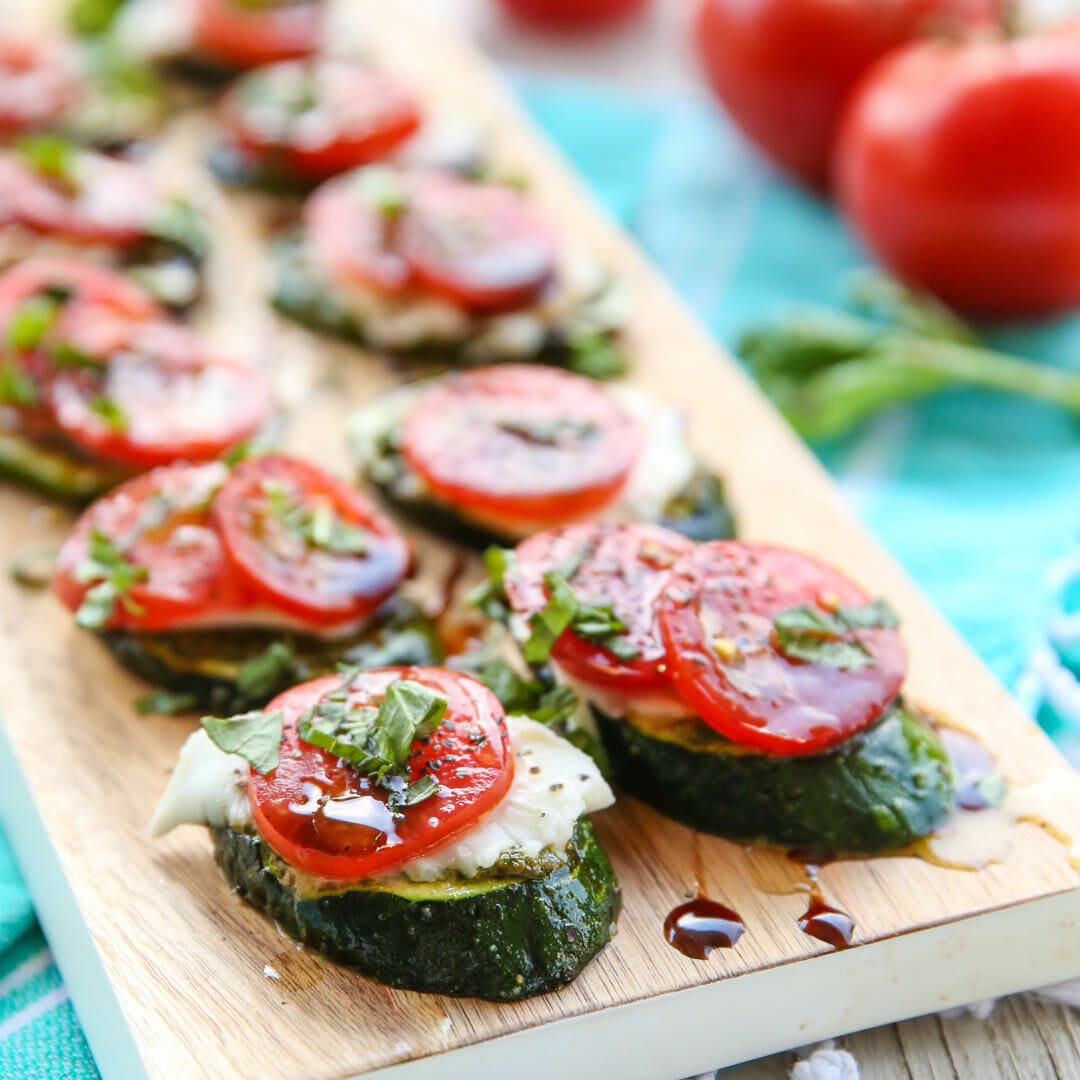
(974, 494)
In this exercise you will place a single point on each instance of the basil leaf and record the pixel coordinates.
(409, 711)
(596, 354)
(178, 222)
(165, 703)
(319, 526)
(382, 189)
(260, 676)
(419, 790)
(254, 736)
(16, 387)
(490, 595)
(878, 613)
(818, 636)
(30, 321)
(846, 655)
(65, 355)
(110, 412)
(50, 156)
(114, 575)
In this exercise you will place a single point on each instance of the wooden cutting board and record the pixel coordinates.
(173, 976)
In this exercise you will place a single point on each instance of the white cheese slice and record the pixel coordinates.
(666, 464)
(554, 784)
(207, 787)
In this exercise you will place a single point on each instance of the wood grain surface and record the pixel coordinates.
(186, 956)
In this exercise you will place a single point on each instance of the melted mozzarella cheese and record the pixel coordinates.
(614, 704)
(664, 468)
(207, 787)
(150, 30)
(554, 785)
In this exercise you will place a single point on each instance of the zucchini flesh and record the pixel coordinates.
(883, 788)
(699, 511)
(502, 939)
(302, 294)
(206, 663)
(54, 470)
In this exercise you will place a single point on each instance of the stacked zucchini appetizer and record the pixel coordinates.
(398, 821)
(743, 689)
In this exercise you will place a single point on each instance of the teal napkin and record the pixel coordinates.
(975, 494)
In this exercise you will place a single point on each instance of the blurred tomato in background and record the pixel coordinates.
(565, 15)
(958, 163)
(784, 68)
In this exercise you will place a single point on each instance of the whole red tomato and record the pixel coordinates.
(959, 165)
(784, 68)
(566, 15)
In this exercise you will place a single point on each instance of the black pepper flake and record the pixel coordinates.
(534, 769)
(555, 787)
(583, 777)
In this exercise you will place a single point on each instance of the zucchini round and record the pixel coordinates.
(210, 664)
(55, 471)
(884, 788)
(699, 511)
(498, 938)
(584, 342)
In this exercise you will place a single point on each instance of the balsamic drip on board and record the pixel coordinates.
(700, 925)
(821, 920)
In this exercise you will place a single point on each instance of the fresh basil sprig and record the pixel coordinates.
(551, 705)
(824, 637)
(378, 741)
(114, 416)
(320, 526)
(114, 574)
(254, 736)
(50, 156)
(596, 623)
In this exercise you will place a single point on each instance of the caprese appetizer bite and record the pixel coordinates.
(225, 584)
(398, 821)
(444, 268)
(97, 382)
(287, 127)
(58, 198)
(89, 94)
(492, 455)
(207, 38)
(744, 689)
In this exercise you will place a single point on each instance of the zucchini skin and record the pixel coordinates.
(300, 294)
(513, 940)
(203, 663)
(883, 788)
(54, 472)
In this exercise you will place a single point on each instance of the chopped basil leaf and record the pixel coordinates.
(33, 567)
(320, 526)
(490, 596)
(30, 322)
(419, 790)
(382, 188)
(165, 703)
(563, 611)
(114, 575)
(548, 432)
(65, 355)
(596, 354)
(377, 741)
(110, 412)
(16, 387)
(255, 736)
(820, 636)
(50, 156)
(260, 676)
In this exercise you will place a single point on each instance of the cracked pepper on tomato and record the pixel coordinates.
(98, 382)
(746, 689)
(194, 571)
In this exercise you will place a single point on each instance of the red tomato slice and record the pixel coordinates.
(624, 566)
(109, 203)
(323, 816)
(352, 238)
(160, 521)
(265, 512)
(319, 118)
(716, 616)
(481, 245)
(568, 15)
(83, 281)
(241, 35)
(159, 396)
(522, 442)
(38, 83)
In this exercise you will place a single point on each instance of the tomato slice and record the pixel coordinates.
(483, 246)
(107, 201)
(716, 616)
(159, 395)
(522, 442)
(352, 238)
(80, 281)
(323, 816)
(319, 118)
(267, 513)
(159, 521)
(244, 35)
(38, 82)
(621, 566)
